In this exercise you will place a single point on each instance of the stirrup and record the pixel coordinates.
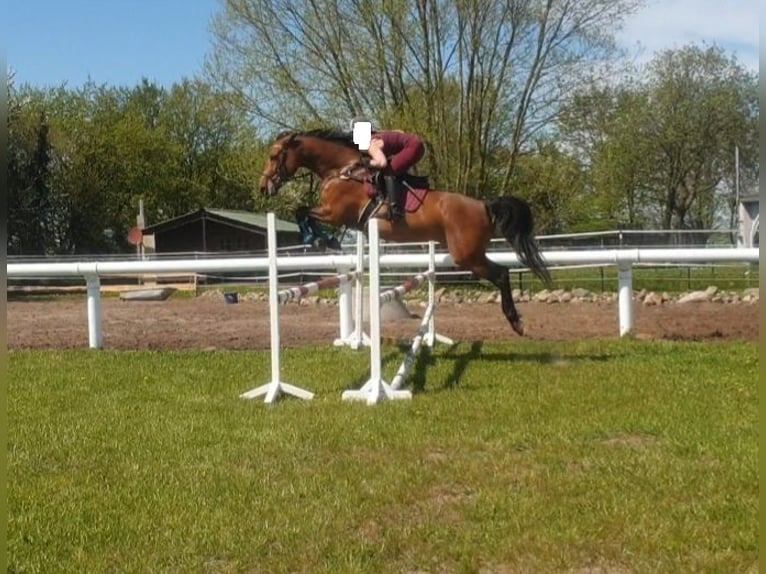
(394, 212)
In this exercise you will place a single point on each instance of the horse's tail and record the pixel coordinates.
(512, 217)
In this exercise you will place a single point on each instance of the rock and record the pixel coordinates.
(753, 291)
(712, 290)
(439, 294)
(486, 298)
(541, 296)
(516, 294)
(694, 297)
(565, 297)
(652, 299)
(580, 293)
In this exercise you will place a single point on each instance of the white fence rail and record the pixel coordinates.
(623, 259)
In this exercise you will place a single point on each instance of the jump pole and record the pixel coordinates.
(375, 389)
(426, 332)
(351, 333)
(273, 389)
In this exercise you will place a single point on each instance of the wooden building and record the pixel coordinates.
(216, 230)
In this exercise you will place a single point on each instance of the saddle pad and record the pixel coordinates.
(413, 201)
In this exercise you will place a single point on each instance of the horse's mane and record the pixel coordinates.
(337, 136)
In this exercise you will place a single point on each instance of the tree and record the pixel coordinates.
(101, 149)
(30, 196)
(468, 75)
(660, 144)
(554, 184)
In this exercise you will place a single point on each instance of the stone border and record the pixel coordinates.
(458, 295)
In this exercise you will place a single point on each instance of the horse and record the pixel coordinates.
(463, 224)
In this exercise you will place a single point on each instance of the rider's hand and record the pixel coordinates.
(377, 157)
(379, 163)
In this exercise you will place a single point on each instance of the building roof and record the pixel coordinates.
(237, 218)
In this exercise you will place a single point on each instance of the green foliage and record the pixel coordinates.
(177, 149)
(660, 144)
(31, 204)
(554, 184)
(600, 455)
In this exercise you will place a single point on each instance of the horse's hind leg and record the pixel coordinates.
(499, 277)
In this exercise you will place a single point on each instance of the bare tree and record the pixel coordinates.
(472, 76)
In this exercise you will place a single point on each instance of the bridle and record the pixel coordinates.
(280, 177)
(351, 171)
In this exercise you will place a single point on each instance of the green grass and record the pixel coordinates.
(627, 456)
(670, 279)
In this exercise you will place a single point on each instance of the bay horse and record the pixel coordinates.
(463, 224)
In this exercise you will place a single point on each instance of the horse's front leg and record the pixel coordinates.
(322, 214)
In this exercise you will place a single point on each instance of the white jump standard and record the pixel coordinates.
(376, 389)
(274, 388)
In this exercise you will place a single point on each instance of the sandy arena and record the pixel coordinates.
(210, 323)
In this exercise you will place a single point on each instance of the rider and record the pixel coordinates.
(394, 152)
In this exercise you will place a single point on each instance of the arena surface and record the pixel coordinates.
(210, 323)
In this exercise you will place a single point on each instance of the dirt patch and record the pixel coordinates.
(209, 323)
(631, 440)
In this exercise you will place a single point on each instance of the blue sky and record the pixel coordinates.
(117, 42)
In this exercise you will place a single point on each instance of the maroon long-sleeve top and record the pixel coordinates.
(403, 149)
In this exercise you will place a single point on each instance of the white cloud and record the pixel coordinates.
(668, 24)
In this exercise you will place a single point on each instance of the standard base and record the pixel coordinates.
(374, 391)
(352, 342)
(274, 389)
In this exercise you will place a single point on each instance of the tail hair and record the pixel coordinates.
(512, 218)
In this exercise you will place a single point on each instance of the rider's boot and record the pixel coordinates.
(395, 195)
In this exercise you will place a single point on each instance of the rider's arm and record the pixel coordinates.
(412, 149)
(377, 156)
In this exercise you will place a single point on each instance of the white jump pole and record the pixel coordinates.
(401, 373)
(432, 336)
(375, 389)
(351, 334)
(275, 387)
(344, 313)
(426, 331)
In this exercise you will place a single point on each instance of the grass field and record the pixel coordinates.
(613, 456)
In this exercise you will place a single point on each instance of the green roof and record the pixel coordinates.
(234, 216)
(256, 219)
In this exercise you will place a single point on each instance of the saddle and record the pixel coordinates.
(416, 186)
(374, 186)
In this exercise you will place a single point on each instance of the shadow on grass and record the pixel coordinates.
(462, 357)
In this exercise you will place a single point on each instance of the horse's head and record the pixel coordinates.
(281, 164)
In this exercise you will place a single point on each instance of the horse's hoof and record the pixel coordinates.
(518, 326)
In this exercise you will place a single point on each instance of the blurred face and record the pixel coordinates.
(280, 166)
(362, 134)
